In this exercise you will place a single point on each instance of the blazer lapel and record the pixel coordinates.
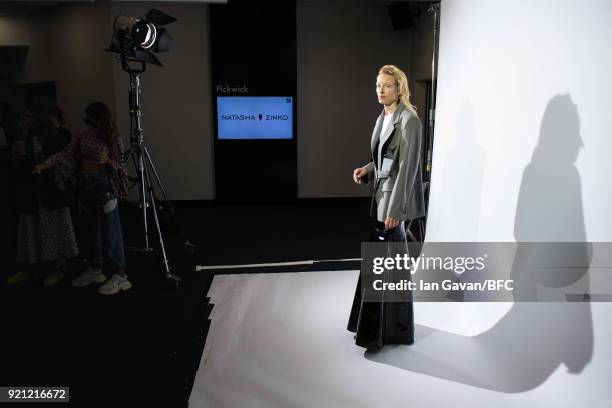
(390, 128)
(388, 131)
(375, 134)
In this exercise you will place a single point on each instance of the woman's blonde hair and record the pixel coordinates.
(402, 84)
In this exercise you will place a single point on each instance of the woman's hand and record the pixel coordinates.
(358, 173)
(391, 223)
(104, 158)
(39, 168)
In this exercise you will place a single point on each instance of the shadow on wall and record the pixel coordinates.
(533, 339)
(465, 224)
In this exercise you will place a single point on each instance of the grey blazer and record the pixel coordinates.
(397, 193)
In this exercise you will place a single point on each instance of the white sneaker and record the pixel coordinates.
(89, 276)
(115, 284)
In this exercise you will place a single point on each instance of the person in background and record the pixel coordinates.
(11, 130)
(45, 233)
(96, 155)
(9, 122)
(57, 119)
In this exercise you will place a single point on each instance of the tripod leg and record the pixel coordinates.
(159, 183)
(157, 226)
(129, 155)
(139, 159)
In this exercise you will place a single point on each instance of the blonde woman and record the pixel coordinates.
(395, 172)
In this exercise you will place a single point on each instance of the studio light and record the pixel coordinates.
(138, 39)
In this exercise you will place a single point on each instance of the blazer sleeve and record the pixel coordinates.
(409, 160)
(370, 173)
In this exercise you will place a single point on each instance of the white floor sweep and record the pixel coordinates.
(280, 341)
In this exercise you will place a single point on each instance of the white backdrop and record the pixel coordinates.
(514, 75)
(523, 139)
(522, 144)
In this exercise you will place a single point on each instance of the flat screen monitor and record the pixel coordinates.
(254, 117)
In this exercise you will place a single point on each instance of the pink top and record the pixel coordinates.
(87, 146)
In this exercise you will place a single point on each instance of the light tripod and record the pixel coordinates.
(144, 166)
(421, 223)
(434, 10)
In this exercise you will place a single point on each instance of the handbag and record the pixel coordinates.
(94, 189)
(50, 194)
